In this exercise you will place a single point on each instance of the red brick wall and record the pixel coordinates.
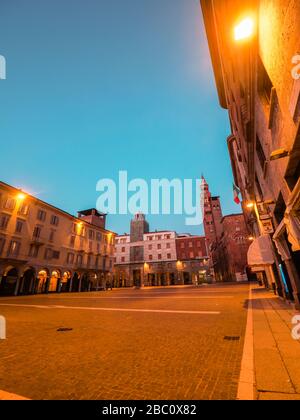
(195, 245)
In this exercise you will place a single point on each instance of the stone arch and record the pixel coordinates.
(65, 281)
(76, 282)
(85, 282)
(54, 283)
(9, 281)
(42, 280)
(27, 281)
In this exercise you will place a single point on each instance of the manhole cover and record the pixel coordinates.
(231, 338)
(64, 329)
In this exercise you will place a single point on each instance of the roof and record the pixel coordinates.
(7, 186)
(211, 32)
(90, 211)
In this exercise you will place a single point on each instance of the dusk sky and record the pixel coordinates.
(98, 86)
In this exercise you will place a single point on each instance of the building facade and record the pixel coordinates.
(229, 254)
(151, 258)
(193, 259)
(227, 240)
(44, 249)
(255, 48)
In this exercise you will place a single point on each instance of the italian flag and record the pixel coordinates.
(236, 194)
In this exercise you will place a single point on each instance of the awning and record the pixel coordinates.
(260, 252)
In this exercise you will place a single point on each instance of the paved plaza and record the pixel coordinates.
(158, 343)
(125, 344)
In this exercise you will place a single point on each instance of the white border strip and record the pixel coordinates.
(247, 376)
(86, 308)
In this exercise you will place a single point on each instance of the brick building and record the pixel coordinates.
(212, 215)
(151, 258)
(192, 256)
(227, 239)
(229, 254)
(255, 47)
(44, 249)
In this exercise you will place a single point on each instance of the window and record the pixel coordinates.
(150, 238)
(54, 220)
(99, 236)
(4, 221)
(10, 203)
(150, 247)
(168, 236)
(123, 249)
(79, 259)
(48, 254)
(70, 258)
(72, 241)
(2, 243)
(260, 153)
(41, 215)
(19, 226)
(182, 245)
(89, 261)
(98, 248)
(265, 84)
(14, 248)
(158, 246)
(37, 232)
(91, 235)
(159, 256)
(169, 256)
(33, 251)
(51, 236)
(150, 257)
(192, 256)
(168, 245)
(23, 209)
(123, 259)
(183, 255)
(191, 244)
(90, 246)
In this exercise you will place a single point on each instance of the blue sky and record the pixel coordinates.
(98, 86)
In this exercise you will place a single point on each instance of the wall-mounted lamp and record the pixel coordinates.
(279, 154)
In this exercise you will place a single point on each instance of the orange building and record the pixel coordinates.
(44, 249)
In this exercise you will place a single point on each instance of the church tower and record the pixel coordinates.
(212, 215)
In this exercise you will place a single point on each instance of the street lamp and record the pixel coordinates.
(21, 196)
(250, 205)
(244, 30)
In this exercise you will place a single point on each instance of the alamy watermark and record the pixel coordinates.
(160, 196)
(296, 69)
(296, 329)
(2, 328)
(2, 67)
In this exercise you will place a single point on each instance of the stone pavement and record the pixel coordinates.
(276, 353)
(164, 344)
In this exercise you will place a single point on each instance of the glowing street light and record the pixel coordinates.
(21, 196)
(250, 205)
(244, 30)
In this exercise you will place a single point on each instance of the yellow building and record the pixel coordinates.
(44, 249)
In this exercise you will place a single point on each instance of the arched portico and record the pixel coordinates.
(9, 281)
(42, 281)
(27, 281)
